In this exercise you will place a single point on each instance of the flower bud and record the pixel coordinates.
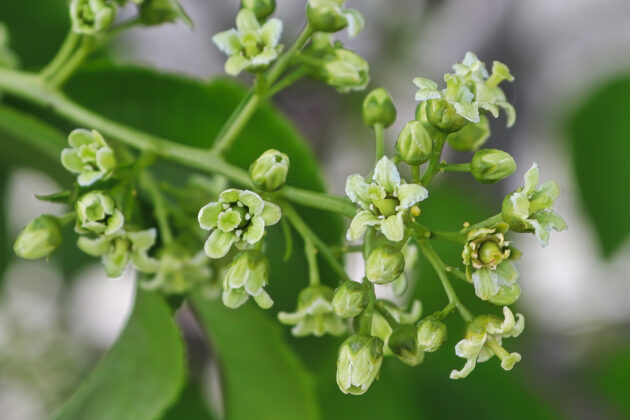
(471, 137)
(431, 334)
(379, 108)
(157, 12)
(326, 15)
(97, 213)
(404, 344)
(261, 8)
(90, 17)
(442, 115)
(414, 144)
(40, 238)
(489, 166)
(346, 70)
(349, 300)
(358, 364)
(385, 264)
(269, 171)
(247, 276)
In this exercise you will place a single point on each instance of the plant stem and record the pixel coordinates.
(454, 167)
(150, 186)
(489, 222)
(237, 121)
(438, 266)
(422, 232)
(302, 228)
(365, 323)
(311, 258)
(446, 311)
(71, 64)
(62, 55)
(287, 81)
(434, 162)
(415, 173)
(67, 218)
(283, 62)
(381, 309)
(456, 273)
(379, 132)
(30, 88)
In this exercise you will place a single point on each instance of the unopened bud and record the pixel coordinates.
(471, 137)
(269, 171)
(358, 364)
(97, 213)
(326, 15)
(349, 300)
(431, 334)
(379, 108)
(40, 238)
(157, 12)
(90, 17)
(247, 276)
(261, 8)
(346, 70)
(443, 116)
(384, 265)
(489, 166)
(403, 342)
(414, 144)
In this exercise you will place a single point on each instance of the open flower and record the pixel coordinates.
(384, 201)
(178, 270)
(91, 17)
(118, 250)
(97, 213)
(487, 257)
(247, 276)
(314, 314)
(89, 156)
(239, 217)
(483, 340)
(528, 209)
(250, 46)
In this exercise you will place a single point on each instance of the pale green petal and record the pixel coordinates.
(386, 174)
(228, 220)
(356, 21)
(230, 195)
(94, 247)
(271, 32)
(507, 272)
(393, 227)
(236, 64)
(423, 83)
(531, 179)
(360, 224)
(234, 298)
(142, 240)
(254, 203)
(264, 300)
(290, 318)
(87, 178)
(255, 230)
(540, 232)
(271, 213)
(465, 371)
(520, 205)
(265, 57)
(71, 161)
(551, 220)
(80, 137)
(470, 348)
(470, 111)
(105, 159)
(219, 243)
(486, 283)
(144, 263)
(246, 21)
(410, 194)
(209, 215)
(227, 41)
(114, 222)
(357, 190)
(544, 196)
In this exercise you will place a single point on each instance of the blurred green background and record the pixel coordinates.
(572, 96)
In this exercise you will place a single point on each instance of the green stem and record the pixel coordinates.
(379, 132)
(365, 322)
(283, 62)
(150, 186)
(62, 55)
(67, 218)
(455, 167)
(381, 309)
(489, 222)
(434, 162)
(287, 81)
(415, 173)
(302, 228)
(237, 121)
(422, 232)
(30, 88)
(438, 266)
(69, 66)
(311, 258)
(446, 311)
(456, 273)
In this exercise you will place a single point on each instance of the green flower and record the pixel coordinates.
(247, 276)
(378, 108)
(91, 17)
(157, 12)
(40, 238)
(384, 201)
(483, 340)
(349, 299)
(490, 166)
(487, 256)
(314, 314)
(403, 342)
(384, 264)
(250, 46)
(345, 70)
(97, 213)
(261, 8)
(471, 137)
(414, 145)
(178, 270)
(269, 171)
(382, 329)
(118, 250)
(431, 334)
(528, 209)
(358, 364)
(239, 217)
(331, 16)
(89, 156)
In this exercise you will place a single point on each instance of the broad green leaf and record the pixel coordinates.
(262, 377)
(191, 405)
(142, 374)
(599, 132)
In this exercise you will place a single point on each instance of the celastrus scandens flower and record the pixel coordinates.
(358, 364)
(382, 329)
(90, 17)
(528, 209)
(384, 201)
(247, 276)
(249, 46)
(487, 257)
(178, 270)
(97, 213)
(314, 314)
(89, 156)
(483, 340)
(331, 16)
(118, 250)
(239, 217)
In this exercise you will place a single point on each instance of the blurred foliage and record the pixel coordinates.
(142, 373)
(191, 405)
(600, 154)
(609, 379)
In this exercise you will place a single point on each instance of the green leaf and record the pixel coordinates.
(191, 405)
(609, 379)
(6, 251)
(262, 377)
(142, 374)
(599, 132)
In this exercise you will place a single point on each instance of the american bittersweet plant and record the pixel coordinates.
(219, 246)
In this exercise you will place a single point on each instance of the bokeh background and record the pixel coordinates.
(571, 59)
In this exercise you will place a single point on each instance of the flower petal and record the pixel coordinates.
(386, 174)
(265, 57)
(209, 215)
(264, 300)
(246, 21)
(228, 220)
(85, 179)
(271, 32)
(219, 243)
(255, 231)
(227, 41)
(359, 224)
(531, 179)
(410, 194)
(233, 298)
(114, 222)
(79, 137)
(94, 247)
(236, 64)
(271, 213)
(393, 227)
(142, 240)
(486, 283)
(357, 190)
(356, 21)
(254, 203)
(71, 161)
(105, 159)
